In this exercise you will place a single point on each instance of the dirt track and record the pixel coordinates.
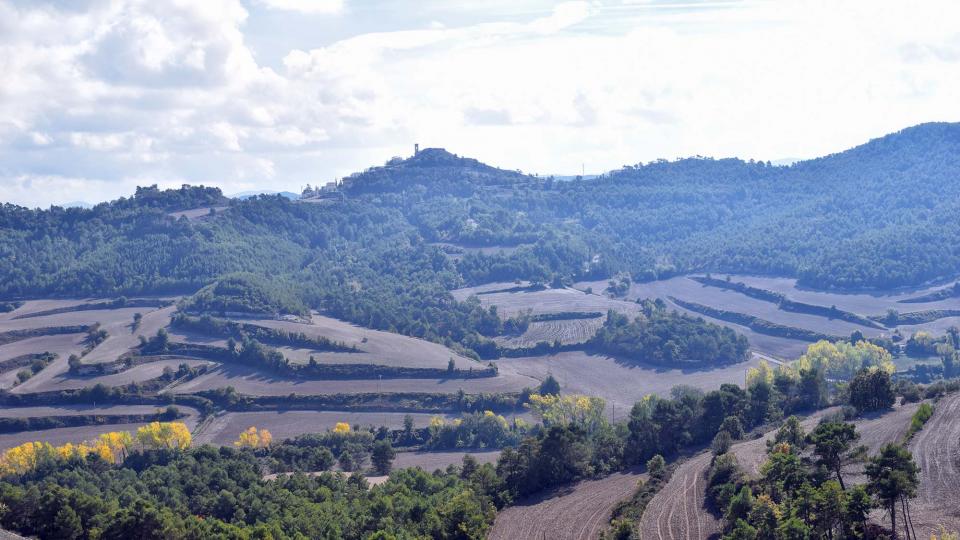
(937, 451)
(579, 512)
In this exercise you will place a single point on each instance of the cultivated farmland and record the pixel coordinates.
(936, 450)
(254, 382)
(373, 346)
(510, 303)
(621, 383)
(225, 428)
(679, 511)
(58, 436)
(581, 511)
(566, 331)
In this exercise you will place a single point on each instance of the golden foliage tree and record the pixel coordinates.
(169, 435)
(585, 411)
(254, 438)
(842, 360)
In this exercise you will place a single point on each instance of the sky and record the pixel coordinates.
(100, 96)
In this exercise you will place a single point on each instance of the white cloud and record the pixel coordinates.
(305, 6)
(98, 96)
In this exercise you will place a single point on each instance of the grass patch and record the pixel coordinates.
(920, 418)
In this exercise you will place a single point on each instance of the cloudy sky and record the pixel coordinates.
(97, 97)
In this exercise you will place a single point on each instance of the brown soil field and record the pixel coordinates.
(79, 434)
(34, 306)
(876, 431)
(226, 428)
(115, 321)
(937, 451)
(678, 511)
(78, 410)
(127, 337)
(65, 381)
(249, 381)
(62, 345)
(196, 213)
(431, 461)
(376, 347)
(569, 331)
(581, 511)
(690, 290)
(621, 383)
(862, 303)
(545, 301)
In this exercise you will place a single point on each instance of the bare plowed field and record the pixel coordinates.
(79, 434)
(620, 383)
(567, 332)
(937, 451)
(112, 320)
(863, 303)
(547, 301)
(126, 337)
(248, 381)
(678, 511)
(579, 512)
(63, 345)
(34, 306)
(66, 381)
(77, 410)
(226, 428)
(375, 347)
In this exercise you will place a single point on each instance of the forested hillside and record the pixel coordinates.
(878, 216)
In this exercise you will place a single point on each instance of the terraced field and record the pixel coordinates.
(686, 289)
(62, 345)
(374, 346)
(226, 428)
(621, 383)
(937, 451)
(140, 373)
(543, 301)
(580, 512)
(128, 337)
(678, 511)
(567, 332)
(250, 381)
(79, 434)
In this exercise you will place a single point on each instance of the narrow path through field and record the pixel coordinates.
(937, 451)
(578, 512)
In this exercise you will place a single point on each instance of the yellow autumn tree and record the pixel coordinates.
(341, 427)
(553, 410)
(24, 458)
(760, 374)
(254, 438)
(841, 360)
(119, 443)
(169, 435)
